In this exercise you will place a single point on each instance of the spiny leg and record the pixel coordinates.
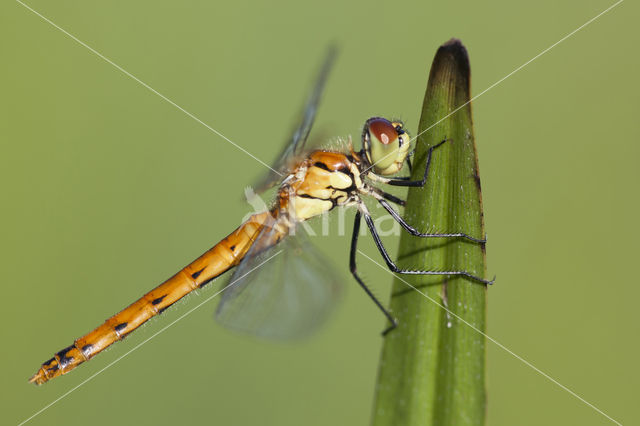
(392, 266)
(390, 197)
(352, 267)
(413, 231)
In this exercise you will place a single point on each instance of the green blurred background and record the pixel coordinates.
(107, 190)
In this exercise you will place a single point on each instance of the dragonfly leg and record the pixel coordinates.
(392, 198)
(353, 268)
(404, 181)
(415, 232)
(392, 266)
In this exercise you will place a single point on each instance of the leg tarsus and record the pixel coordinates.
(393, 326)
(413, 231)
(392, 266)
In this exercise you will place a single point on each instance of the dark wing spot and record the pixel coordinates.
(118, 328)
(233, 247)
(158, 300)
(197, 274)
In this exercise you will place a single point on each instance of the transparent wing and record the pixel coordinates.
(281, 291)
(295, 146)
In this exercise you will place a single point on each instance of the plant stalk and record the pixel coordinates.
(432, 368)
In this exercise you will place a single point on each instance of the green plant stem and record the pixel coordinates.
(432, 368)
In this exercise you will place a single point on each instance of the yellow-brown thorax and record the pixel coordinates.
(321, 182)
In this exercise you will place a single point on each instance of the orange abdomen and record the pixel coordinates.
(219, 259)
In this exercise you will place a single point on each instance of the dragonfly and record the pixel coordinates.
(282, 286)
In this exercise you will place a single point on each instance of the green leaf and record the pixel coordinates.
(432, 368)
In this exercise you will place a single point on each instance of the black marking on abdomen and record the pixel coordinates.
(63, 359)
(233, 247)
(158, 300)
(161, 310)
(205, 282)
(197, 273)
(118, 328)
(86, 349)
(212, 278)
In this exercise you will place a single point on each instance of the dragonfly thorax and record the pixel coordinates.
(324, 180)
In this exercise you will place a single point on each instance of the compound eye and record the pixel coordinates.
(383, 130)
(381, 142)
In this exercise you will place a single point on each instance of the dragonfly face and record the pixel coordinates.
(386, 145)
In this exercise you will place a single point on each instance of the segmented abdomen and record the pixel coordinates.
(220, 258)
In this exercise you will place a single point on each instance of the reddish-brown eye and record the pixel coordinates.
(383, 130)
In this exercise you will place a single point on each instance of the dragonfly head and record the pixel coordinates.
(386, 145)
